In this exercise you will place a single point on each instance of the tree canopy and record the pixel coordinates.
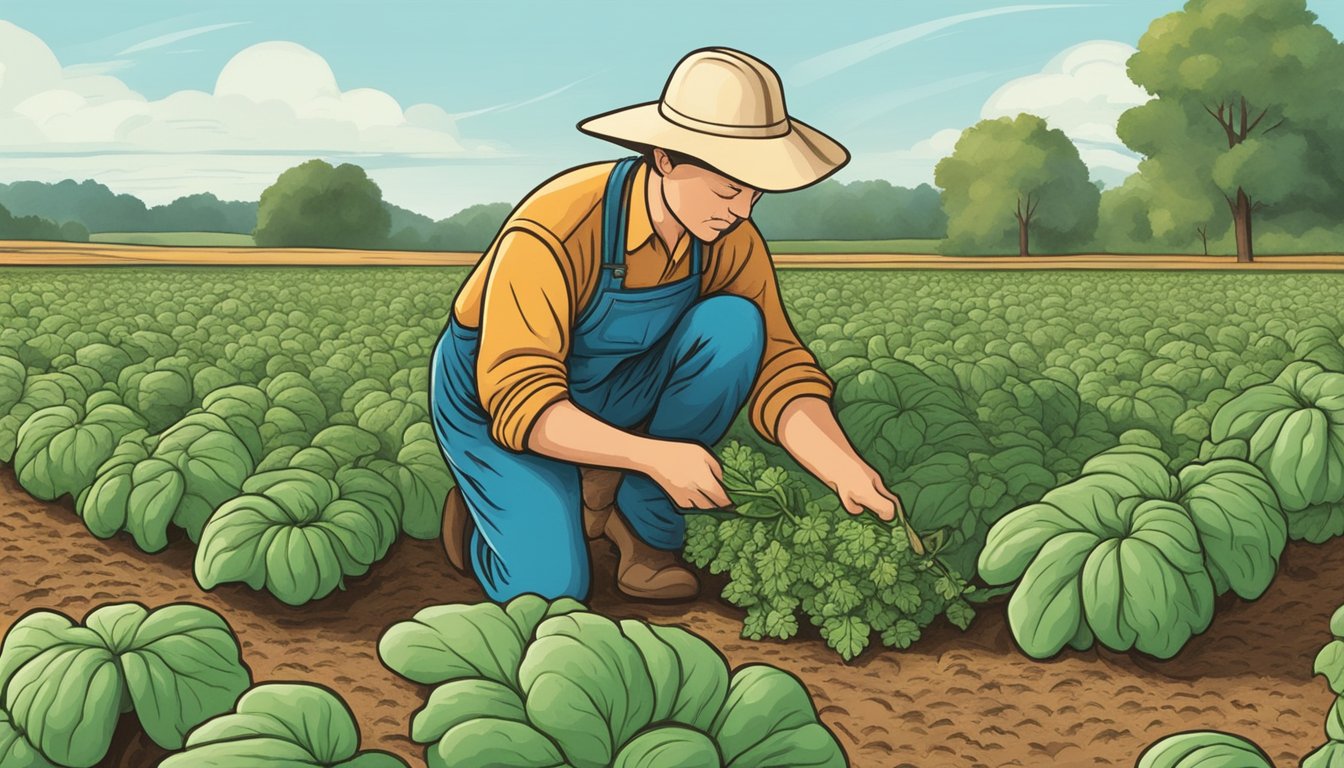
(1248, 108)
(37, 228)
(1009, 180)
(314, 204)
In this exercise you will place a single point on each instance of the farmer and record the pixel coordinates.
(622, 317)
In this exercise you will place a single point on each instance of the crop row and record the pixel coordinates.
(524, 685)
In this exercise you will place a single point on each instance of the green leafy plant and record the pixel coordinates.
(291, 724)
(176, 478)
(1204, 748)
(298, 534)
(786, 552)
(1199, 748)
(1330, 665)
(1293, 429)
(1132, 556)
(63, 686)
(60, 448)
(534, 683)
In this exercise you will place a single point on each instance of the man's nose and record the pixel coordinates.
(740, 206)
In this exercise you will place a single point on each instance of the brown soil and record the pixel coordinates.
(53, 254)
(956, 699)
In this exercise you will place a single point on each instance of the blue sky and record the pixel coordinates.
(452, 103)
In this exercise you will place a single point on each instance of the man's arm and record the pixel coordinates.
(790, 401)
(523, 381)
(809, 432)
(689, 474)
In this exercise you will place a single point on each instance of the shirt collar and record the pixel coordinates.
(639, 225)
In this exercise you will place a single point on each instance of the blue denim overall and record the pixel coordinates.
(663, 353)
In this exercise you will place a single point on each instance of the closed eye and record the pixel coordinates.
(732, 192)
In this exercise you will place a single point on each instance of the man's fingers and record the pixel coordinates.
(851, 506)
(720, 497)
(703, 501)
(716, 468)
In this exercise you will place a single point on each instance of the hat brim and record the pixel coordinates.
(800, 158)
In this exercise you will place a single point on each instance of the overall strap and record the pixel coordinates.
(614, 217)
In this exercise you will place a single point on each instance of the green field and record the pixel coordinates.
(184, 239)
(855, 246)
(971, 392)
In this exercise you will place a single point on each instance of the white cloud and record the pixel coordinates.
(274, 104)
(904, 167)
(1082, 91)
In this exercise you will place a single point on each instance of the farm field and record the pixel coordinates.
(974, 392)
(173, 238)
(954, 699)
(39, 253)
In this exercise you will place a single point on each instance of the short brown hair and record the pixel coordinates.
(679, 158)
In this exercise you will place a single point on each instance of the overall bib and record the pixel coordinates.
(663, 354)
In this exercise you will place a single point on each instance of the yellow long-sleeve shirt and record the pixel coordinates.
(530, 286)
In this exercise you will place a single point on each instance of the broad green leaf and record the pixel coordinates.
(689, 677)
(764, 706)
(1204, 748)
(492, 743)
(450, 642)
(669, 747)
(459, 701)
(182, 666)
(583, 660)
(1046, 608)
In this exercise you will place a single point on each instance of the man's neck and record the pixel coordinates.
(665, 225)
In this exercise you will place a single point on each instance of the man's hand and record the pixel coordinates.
(860, 487)
(809, 432)
(686, 471)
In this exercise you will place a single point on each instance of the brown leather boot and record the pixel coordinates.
(645, 573)
(599, 498)
(457, 529)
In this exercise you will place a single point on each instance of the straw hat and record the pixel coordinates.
(726, 108)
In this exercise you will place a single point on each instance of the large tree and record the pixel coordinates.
(1012, 179)
(316, 205)
(1248, 112)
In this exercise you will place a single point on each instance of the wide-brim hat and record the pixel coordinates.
(726, 108)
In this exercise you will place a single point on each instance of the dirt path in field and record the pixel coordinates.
(27, 253)
(956, 699)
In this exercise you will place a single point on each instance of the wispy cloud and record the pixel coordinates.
(173, 37)
(874, 107)
(97, 68)
(505, 107)
(837, 59)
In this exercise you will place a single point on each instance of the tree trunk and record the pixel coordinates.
(1023, 238)
(1241, 216)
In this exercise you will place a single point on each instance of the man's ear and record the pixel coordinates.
(662, 162)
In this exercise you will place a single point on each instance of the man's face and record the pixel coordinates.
(706, 203)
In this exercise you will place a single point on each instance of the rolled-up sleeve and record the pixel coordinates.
(525, 321)
(788, 369)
